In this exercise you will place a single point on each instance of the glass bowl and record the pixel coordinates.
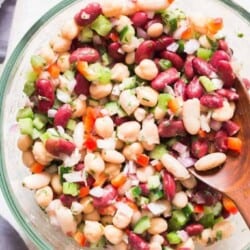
(20, 200)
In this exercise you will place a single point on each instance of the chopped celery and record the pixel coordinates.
(37, 61)
(40, 121)
(69, 74)
(128, 83)
(71, 188)
(165, 64)
(207, 84)
(142, 225)
(71, 124)
(26, 126)
(204, 53)
(127, 33)
(29, 88)
(86, 35)
(105, 59)
(114, 108)
(63, 170)
(163, 100)
(36, 133)
(207, 220)
(143, 200)
(188, 209)
(158, 152)
(135, 191)
(99, 73)
(154, 182)
(50, 133)
(156, 195)
(63, 96)
(173, 238)
(101, 25)
(167, 248)
(25, 113)
(178, 220)
(31, 76)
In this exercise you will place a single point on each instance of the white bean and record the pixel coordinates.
(152, 5)
(157, 225)
(128, 131)
(188, 244)
(93, 216)
(147, 69)
(130, 58)
(48, 54)
(104, 126)
(99, 91)
(128, 101)
(148, 146)
(37, 181)
(63, 62)
(147, 96)
(224, 113)
(130, 47)
(191, 116)
(140, 114)
(155, 246)
(136, 216)
(79, 108)
(157, 238)
(40, 153)
(204, 42)
(189, 183)
(113, 234)
(206, 236)
(93, 231)
(120, 246)
(56, 184)
(175, 167)
(155, 30)
(53, 206)
(210, 161)
(28, 158)
(180, 200)
(60, 44)
(159, 113)
(113, 156)
(121, 219)
(131, 151)
(87, 203)
(76, 208)
(44, 196)
(144, 173)
(121, 22)
(112, 170)
(94, 163)
(112, 8)
(66, 220)
(119, 72)
(224, 227)
(70, 29)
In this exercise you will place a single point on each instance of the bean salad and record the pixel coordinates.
(120, 103)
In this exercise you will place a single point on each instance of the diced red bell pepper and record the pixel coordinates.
(142, 160)
(90, 143)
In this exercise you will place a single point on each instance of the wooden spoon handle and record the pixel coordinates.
(242, 200)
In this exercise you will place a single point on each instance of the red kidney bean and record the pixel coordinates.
(194, 229)
(88, 14)
(231, 127)
(67, 200)
(169, 185)
(204, 197)
(230, 94)
(59, 146)
(171, 128)
(87, 54)
(109, 195)
(222, 45)
(90, 180)
(140, 19)
(113, 50)
(120, 120)
(162, 42)
(136, 242)
(79, 167)
(145, 51)
(180, 88)
(218, 56)
(63, 115)
(144, 189)
(220, 141)
(212, 101)
(199, 148)
(202, 67)
(46, 95)
(82, 85)
(194, 89)
(165, 78)
(175, 59)
(188, 67)
(226, 73)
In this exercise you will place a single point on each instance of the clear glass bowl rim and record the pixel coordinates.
(4, 185)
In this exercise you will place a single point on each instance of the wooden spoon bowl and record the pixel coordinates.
(233, 179)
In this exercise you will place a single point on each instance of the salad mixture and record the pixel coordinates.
(120, 104)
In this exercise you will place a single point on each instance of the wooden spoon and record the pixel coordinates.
(233, 179)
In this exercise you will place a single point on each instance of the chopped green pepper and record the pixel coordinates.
(101, 25)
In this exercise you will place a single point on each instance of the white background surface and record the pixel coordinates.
(26, 13)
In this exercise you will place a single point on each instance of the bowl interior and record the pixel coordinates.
(21, 201)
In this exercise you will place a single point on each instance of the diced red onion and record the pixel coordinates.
(52, 113)
(124, 208)
(73, 159)
(150, 14)
(191, 46)
(108, 143)
(179, 147)
(183, 235)
(156, 208)
(77, 176)
(173, 47)
(97, 40)
(141, 33)
(97, 192)
(187, 161)
(78, 135)
(215, 125)
(154, 162)
(218, 83)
